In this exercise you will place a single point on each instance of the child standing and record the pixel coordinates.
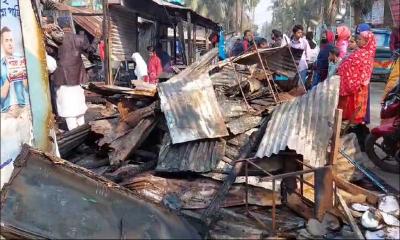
(334, 61)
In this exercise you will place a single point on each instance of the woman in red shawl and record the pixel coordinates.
(355, 73)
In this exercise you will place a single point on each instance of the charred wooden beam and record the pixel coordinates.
(130, 170)
(255, 139)
(72, 139)
(133, 118)
(323, 194)
(128, 143)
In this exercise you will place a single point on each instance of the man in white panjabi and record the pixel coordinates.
(70, 74)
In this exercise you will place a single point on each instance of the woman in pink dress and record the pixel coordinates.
(342, 42)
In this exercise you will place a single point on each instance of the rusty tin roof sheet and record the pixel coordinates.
(50, 198)
(304, 125)
(190, 105)
(278, 60)
(197, 156)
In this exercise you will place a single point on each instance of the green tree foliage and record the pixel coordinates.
(226, 12)
(286, 13)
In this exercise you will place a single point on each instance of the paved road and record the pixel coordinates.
(376, 95)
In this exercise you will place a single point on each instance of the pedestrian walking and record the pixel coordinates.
(299, 42)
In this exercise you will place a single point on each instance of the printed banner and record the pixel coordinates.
(16, 123)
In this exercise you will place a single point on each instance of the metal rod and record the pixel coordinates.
(258, 220)
(247, 186)
(273, 83)
(245, 159)
(305, 164)
(265, 72)
(258, 167)
(240, 86)
(301, 185)
(273, 207)
(285, 175)
(304, 181)
(301, 80)
(366, 173)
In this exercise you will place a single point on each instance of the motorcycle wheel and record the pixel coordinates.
(388, 163)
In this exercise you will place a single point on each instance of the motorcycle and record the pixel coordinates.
(383, 143)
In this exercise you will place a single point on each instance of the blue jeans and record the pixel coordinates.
(316, 79)
(303, 76)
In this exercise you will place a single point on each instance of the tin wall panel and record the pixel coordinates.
(304, 125)
(190, 105)
(123, 33)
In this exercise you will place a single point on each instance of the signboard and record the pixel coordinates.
(16, 117)
(378, 11)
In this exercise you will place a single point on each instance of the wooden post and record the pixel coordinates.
(135, 25)
(189, 38)
(106, 30)
(335, 142)
(323, 191)
(182, 40)
(207, 42)
(357, 232)
(174, 44)
(194, 42)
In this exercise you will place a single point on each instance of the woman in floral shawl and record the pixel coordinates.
(355, 73)
(342, 42)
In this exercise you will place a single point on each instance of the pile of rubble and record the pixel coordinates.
(221, 144)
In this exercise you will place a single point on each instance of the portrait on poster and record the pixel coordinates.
(16, 123)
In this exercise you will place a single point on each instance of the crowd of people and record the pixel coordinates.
(339, 53)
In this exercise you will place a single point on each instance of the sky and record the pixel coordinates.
(262, 14)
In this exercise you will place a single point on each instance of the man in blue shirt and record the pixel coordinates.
(13, 79)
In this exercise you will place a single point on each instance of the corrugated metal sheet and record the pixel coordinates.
(191, 109)
(89, 23)
(123, 28)
(50, 198)
(278, 60)
(123, 33)
(304, 125)
(190, 105)
(162, 11)
(199, 156)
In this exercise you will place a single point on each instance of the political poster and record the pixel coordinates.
(16, 118)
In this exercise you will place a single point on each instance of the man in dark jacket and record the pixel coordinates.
(70, 74)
